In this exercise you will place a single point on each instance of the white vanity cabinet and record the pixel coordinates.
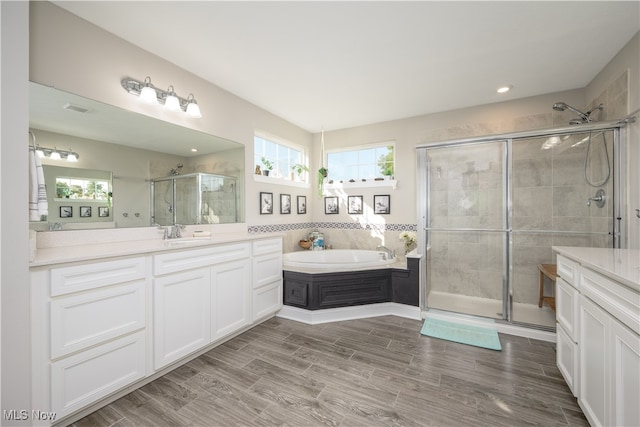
(89, 332)
(101, 328)
(598, 342)
(267, 277)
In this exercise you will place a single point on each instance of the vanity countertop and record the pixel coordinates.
(88, 252)
(621, 265)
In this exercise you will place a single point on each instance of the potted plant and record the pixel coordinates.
(298, 168)
(322, 174)
(267, 166)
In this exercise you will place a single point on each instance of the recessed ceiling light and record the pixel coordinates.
(504, 89)
(194, 150)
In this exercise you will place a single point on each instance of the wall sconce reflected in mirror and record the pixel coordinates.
(146, 92)
(56, 154)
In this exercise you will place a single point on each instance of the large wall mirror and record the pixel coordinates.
(132, 151)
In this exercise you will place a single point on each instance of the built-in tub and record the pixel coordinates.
(336, 259)
(316, 280)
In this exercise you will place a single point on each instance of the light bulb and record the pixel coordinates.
(171, 102)
(193, 109)
(71, 157)
(55, 155)
(148, 93)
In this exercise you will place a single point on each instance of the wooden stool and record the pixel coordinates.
(550, 271)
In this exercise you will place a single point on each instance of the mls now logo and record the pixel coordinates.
(23, 414)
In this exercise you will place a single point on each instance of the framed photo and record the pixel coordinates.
(354, 205)
(382, 204)
(285, 203)
(66, 211)
(331, 205)
(302, 204)
(266, 203)
(103, 211)
(85, 211)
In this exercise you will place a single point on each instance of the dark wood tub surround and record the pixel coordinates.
(316, 291)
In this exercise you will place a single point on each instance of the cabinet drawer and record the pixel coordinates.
(618, 300)
(187, 259)
(267, 246)
(266, 269)
(568, 270)
(267, 300)
(82, 320)
(84, 378)
(76, 278)
(567, 358)
(567, 308)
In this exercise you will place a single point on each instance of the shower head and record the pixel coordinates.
(561, 106)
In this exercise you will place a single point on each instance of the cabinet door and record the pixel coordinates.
(267, 300)
(625, 376)
(181, 316)
(594, 363)
(231, 297)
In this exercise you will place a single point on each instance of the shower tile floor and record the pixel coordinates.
(486, 307)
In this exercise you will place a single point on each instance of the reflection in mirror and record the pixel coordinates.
(134, 148)
(78, 195)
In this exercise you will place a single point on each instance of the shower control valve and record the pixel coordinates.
(599, 198)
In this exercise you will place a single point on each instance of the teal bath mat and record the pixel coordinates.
(465, 334)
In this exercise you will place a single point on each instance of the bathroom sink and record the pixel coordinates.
(186, 241)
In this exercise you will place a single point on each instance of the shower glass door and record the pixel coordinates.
(467, 228)
(553, 179)
(496, 208)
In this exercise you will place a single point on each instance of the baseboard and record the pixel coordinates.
(314, 317)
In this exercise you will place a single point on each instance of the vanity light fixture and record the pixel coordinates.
(56, 154)
(169, 99)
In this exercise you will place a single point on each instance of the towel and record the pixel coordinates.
(38, 206)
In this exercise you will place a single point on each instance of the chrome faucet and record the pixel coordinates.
(599, 198)
(175, 231)
(388, 253)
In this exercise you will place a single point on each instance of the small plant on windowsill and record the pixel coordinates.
(268, 166)
(299, 168)
(322, 174)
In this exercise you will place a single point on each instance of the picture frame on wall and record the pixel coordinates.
(354, 205)
(103, 211)
(66, 211)
(331, 205)
(85, 211)
(382, 204)
(266, 203)
(285, 204)
(302, 204)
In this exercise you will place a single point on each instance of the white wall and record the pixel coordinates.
(14, 279)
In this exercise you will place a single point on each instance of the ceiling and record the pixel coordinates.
(332, 65)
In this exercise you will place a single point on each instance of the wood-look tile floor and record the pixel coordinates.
(368, 372)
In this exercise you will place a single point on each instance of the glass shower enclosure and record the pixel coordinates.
(196, 198)
(493, 208)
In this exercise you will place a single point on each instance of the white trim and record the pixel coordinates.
(314, 317)
(492, 324)
(370, 183)
(280, 181)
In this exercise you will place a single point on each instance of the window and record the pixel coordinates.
(81, 189)
(283, 160)
(366, 162)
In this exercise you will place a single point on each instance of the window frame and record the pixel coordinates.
(289, 179)
(357, 181)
